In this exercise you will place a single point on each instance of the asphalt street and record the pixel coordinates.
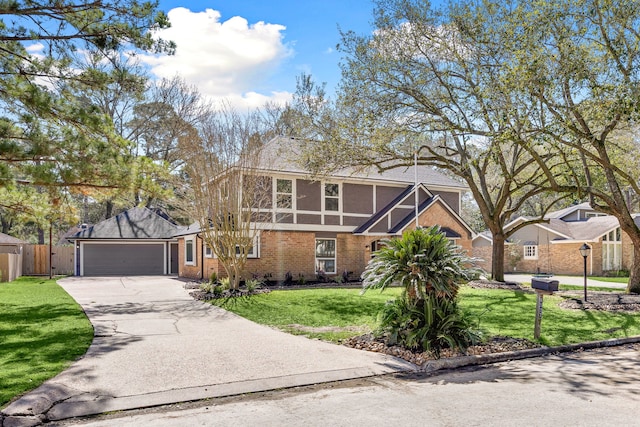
(591, 388)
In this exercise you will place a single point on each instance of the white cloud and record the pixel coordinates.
(35, 48)
(229, 59)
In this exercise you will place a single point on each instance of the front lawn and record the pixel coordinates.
(335, 314)
(42, 330)
(509, 313)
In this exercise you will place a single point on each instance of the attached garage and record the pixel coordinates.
(122, 259)
(137, 242)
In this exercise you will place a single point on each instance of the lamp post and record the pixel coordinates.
(584, 251)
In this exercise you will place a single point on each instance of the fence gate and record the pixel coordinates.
(35, 260)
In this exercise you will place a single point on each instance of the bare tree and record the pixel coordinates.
(221, 157)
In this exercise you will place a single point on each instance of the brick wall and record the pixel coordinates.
(483, 254)
(439, 215)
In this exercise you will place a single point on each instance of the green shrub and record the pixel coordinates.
(429, 268)
(431, 326)
(206, 287)
(213, 278)
(225, 283)
(252, 284)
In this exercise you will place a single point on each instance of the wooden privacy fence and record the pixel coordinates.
(35, 260)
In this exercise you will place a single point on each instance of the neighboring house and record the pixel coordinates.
(10, 244)
(331, 226)
(482, 246)
(11, 250)
(553, 246)
(136, 242)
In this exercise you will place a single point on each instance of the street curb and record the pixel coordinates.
(88, 405)
(487, 359)
(94, 406)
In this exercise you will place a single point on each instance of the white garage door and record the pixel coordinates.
(122, 259)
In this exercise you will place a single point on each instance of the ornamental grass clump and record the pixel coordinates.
(430, 268)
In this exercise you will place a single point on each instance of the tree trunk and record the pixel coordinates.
(40, 236)
(633, 287)
(108, 209)
(497, 257)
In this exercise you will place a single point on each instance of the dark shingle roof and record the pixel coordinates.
(136, 223)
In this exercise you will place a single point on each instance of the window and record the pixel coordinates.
(593, 214)
(530, 252)
(331, 197)
(189, 255)
(284, 194)
(207, 251)
(326, 256)
(253, 251)
(612, 250)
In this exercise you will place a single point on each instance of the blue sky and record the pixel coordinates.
(250, 51)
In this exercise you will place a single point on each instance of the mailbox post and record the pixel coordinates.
(542, 287)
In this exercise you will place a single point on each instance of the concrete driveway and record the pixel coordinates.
(155, 345)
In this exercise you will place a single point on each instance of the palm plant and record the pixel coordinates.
(429, 267)
(423, 261)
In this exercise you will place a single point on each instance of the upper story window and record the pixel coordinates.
(331, 197)
(284, 194)
(593, 214)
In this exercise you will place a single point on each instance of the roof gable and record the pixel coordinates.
(403, 199)
(136, 223)
(563, 213)
(426, 205)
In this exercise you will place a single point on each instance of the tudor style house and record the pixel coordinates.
(553, 246)
(330, 226)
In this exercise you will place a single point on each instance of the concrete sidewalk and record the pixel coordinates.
(155, 345)
(565, 280)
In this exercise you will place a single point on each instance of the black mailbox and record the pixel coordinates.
(544, 284)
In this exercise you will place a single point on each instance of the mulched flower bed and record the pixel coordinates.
(489, 284)
(495, 345)
(606, 301)
(226, 294)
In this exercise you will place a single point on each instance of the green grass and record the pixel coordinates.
(624, 280)
(509, 313)
(338, 308)
(42, 330)
(496, 312)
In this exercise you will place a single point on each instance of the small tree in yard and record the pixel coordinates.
(224, 193)
(429, 267)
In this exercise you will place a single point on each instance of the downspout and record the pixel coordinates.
(201, 246)
(415, 185)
